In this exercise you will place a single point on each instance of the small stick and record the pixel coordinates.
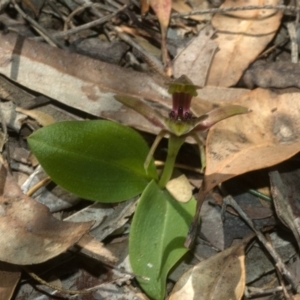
(279, 263)
(291, 26)
(50, 39)
(151, 60)
(77, 29)
(41, 183)
(75, 12)
(62, 290)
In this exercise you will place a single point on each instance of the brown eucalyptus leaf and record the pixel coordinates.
(9, 278)
(221, 276)
(79, 81)
(266, 136)
(182, 6)
(241, 37)
(195, 59)
(162, 9)
(29, 233)
(211, 97)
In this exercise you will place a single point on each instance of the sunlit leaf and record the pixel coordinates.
(96, 160)
(157, 236)
(219, 277)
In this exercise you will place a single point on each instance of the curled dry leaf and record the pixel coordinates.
(268, 135)
(29, 233)
(221, 276)
(241, 37)
(41, 117)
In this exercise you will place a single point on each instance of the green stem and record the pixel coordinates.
(153, 148)
(175, 142)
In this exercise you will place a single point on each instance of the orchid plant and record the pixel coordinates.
(181, 123)
(108, 162)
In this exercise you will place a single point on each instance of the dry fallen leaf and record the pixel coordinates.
(241, 37)
(209, 97)
(195, 59)
(162, 9)
(41, 117)
(180, 188)
(221, 276)
(29, 233)
(79, 81)
(93, 248)
(9, 278)
(183, 6)
(266, 136)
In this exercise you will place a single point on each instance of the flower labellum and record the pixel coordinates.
(182, 91)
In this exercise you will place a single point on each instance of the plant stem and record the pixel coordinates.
(175, 142)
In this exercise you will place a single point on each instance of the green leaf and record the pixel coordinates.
(156, 242)
(97, 160)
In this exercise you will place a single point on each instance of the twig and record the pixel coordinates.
(26, 185)
(254, 292)
(193, 230)
(279, 263)
(62, 290)
(55, 11)
(37, 186)
(291, 26)
(94, 11)
(74, 13)
(4, 129)
(279, 275)
(50, 39)
(293, 9)
(151, 60)
(85, 26)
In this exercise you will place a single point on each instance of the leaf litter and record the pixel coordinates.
(215, 61)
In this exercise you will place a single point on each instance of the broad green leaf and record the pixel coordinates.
(97, 160)
(158, 231)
